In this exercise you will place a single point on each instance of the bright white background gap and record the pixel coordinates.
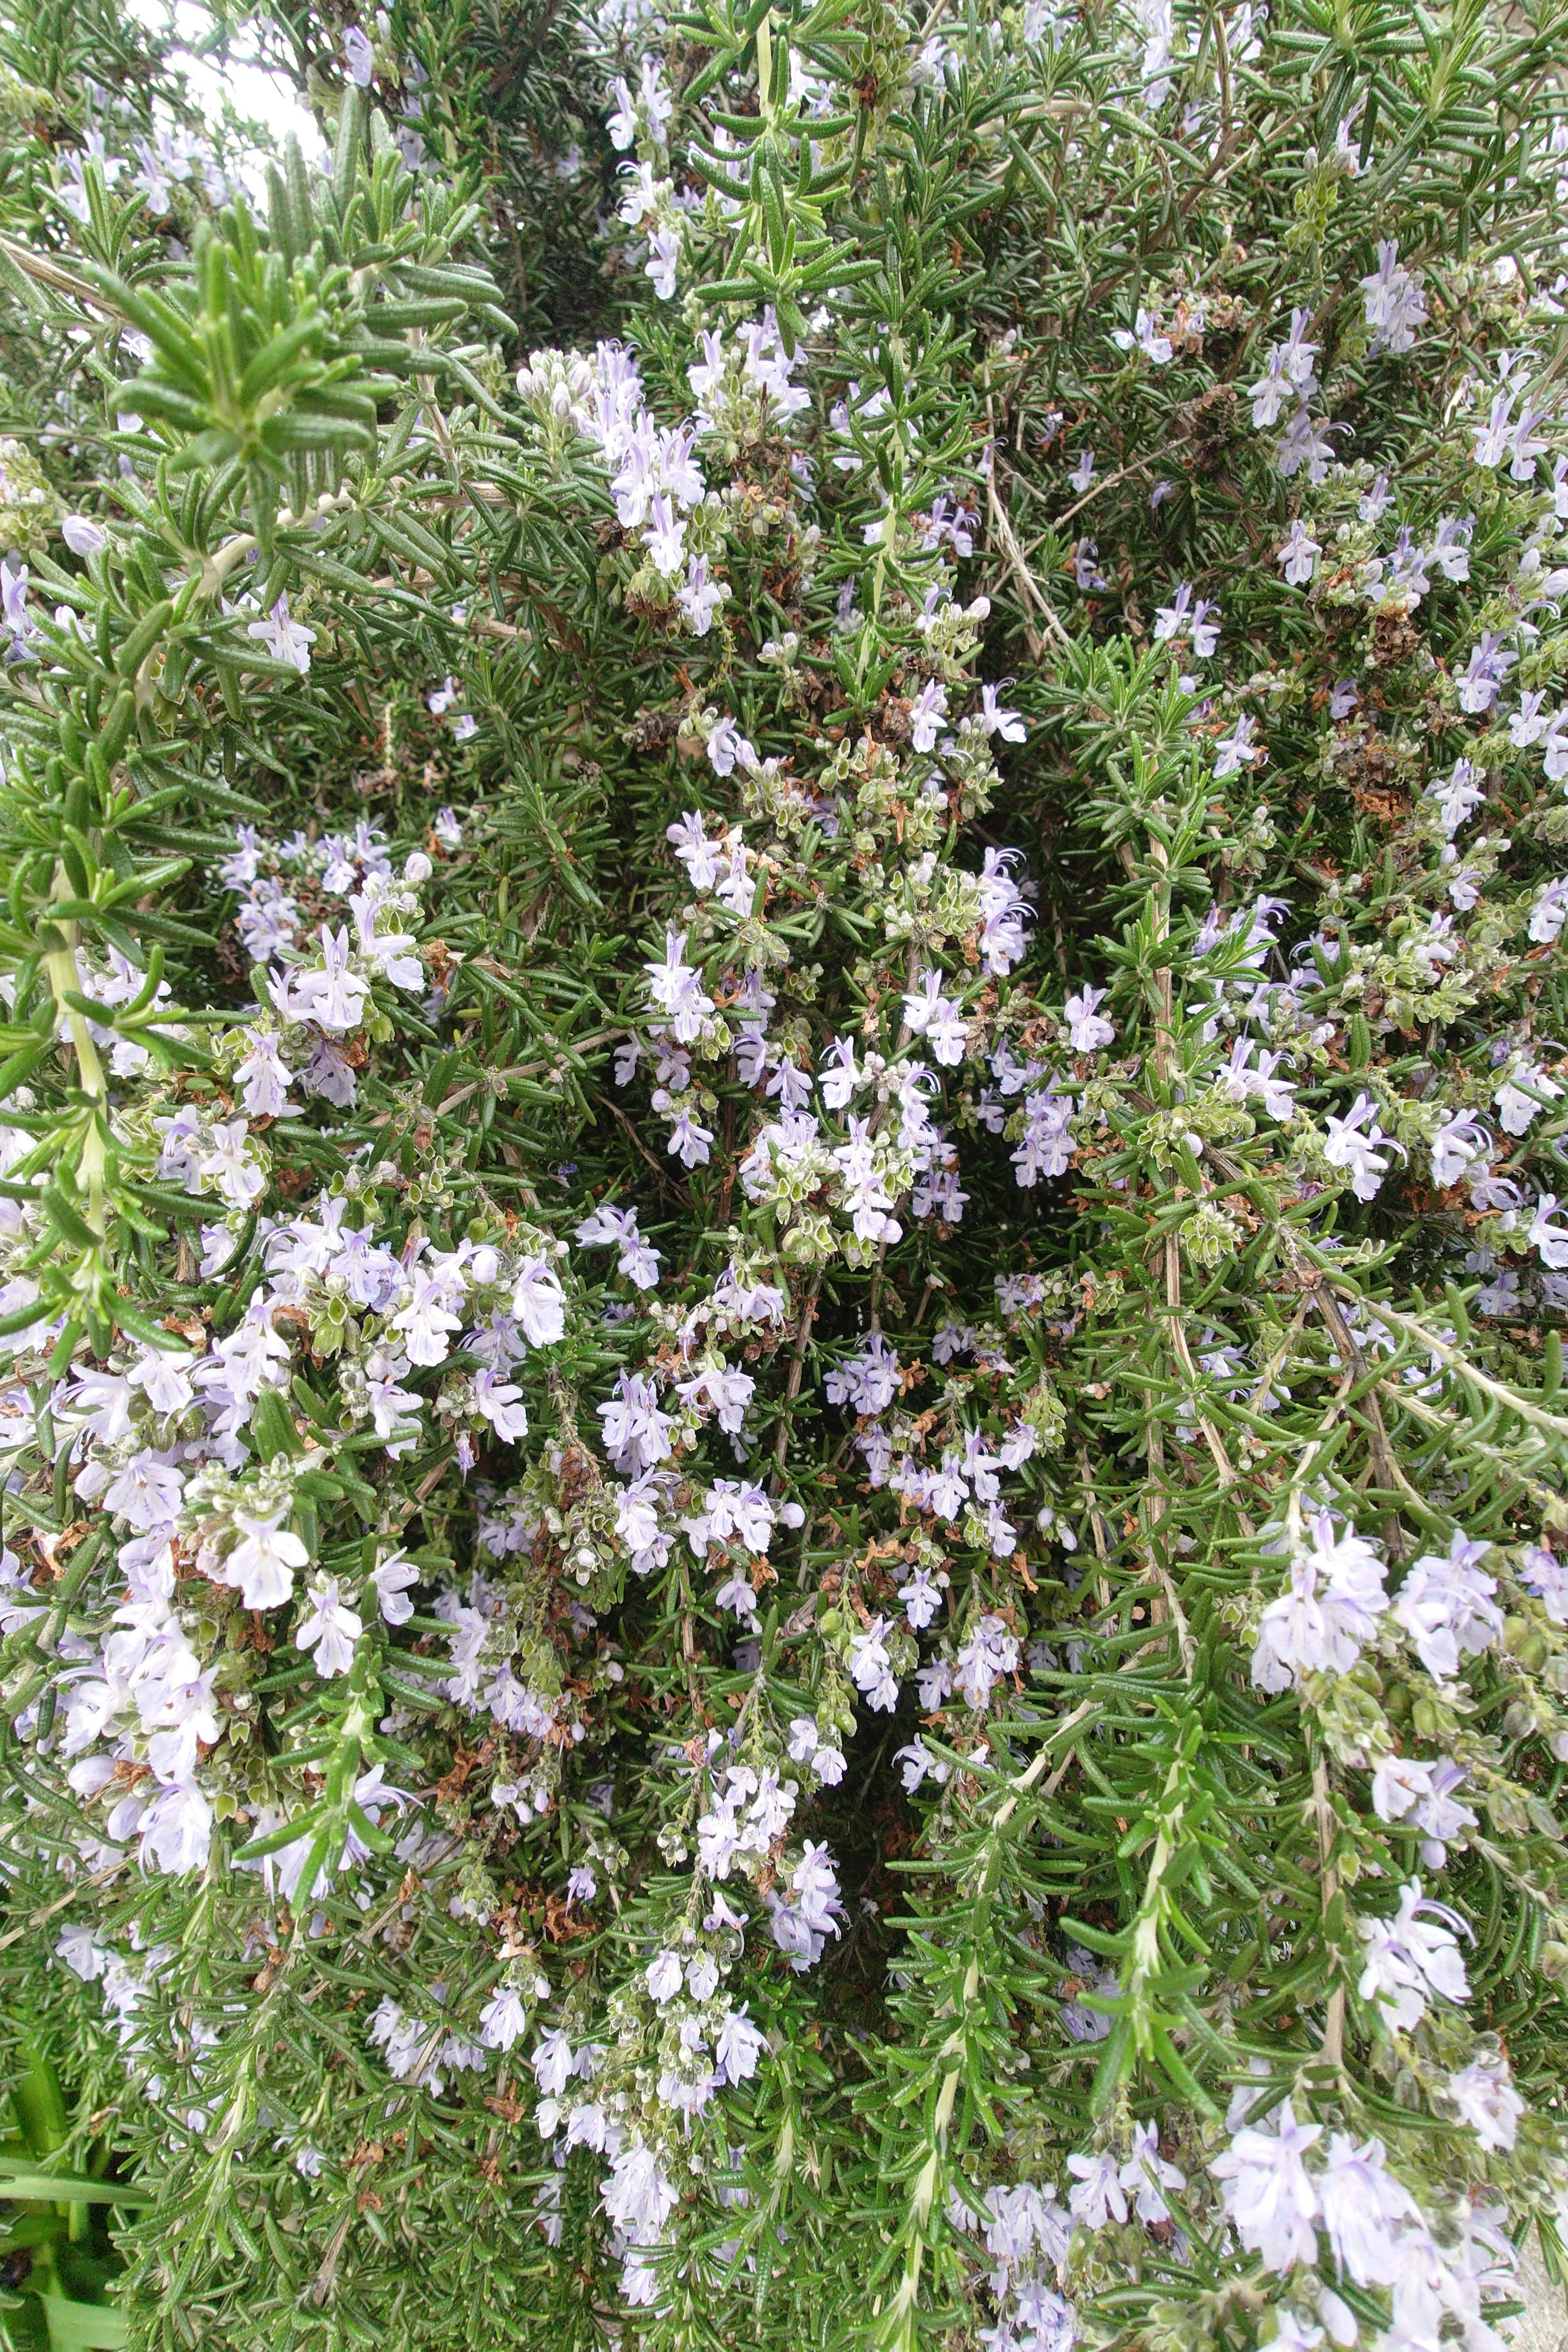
(241, 89)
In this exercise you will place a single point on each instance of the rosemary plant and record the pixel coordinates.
(781, 1388)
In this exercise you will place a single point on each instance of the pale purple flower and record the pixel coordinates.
(1331, 1609)
(638, 2199)
(1146, 2174)
(1550, 1240)
(262, 1563)
(333, 997)
(285, 639)
(676, 987)
(1363, 2209)
(1099, 2197)
(1085, 569)
(663, 1977)
(1236, 749)
(738, 2047)
(1271, 2198)
(1446, 1606)
(1488, 2102)
(1298, 554)
(1411, 1956)
(504, 2018)
(1306, 443)
(1550, 912)
(329, 1627)
(1395, 305)
(1459, 1142)
(1485, 672)
(1087, 1031)
(927, 712)
(393, 1579)
(700, 598)
(539, 1303)
(1352, 1144)
(994, 720)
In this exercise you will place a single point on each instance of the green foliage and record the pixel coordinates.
(366, 1748)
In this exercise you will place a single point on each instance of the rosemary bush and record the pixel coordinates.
(783, 1076)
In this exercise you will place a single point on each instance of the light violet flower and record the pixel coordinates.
(285, 639)
(1270, 2196)
(329, 1627)
(1331, 1609)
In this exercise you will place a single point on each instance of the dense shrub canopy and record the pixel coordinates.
(784, 1072)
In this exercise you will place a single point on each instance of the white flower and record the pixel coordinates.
(738, 2047)
(263, 1562)
(1268, 2192)
(539, 1303)
(329, 1627)
(82, 536)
